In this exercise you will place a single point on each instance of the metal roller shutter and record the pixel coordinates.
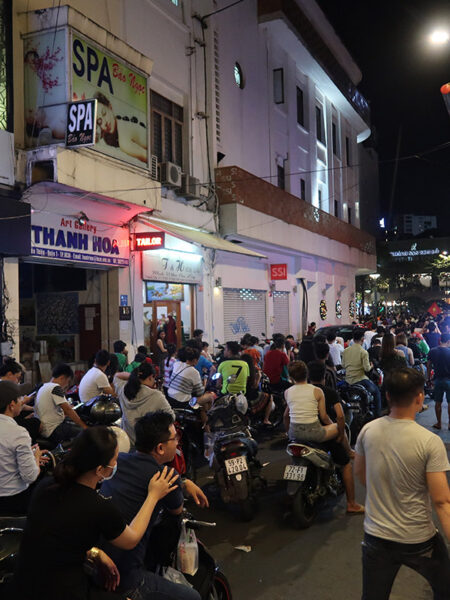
(244, 312)
(281, 312)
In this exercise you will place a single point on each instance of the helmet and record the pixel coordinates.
(105, 410)
(123, 441)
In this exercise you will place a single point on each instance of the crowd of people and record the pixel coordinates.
(68, 520)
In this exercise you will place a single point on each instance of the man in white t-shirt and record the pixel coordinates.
(403, 466)
(59, 422)
(95, 382)
(336, 349)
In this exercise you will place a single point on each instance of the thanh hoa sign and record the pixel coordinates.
(58, 237)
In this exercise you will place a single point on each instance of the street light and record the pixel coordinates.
(439, 37)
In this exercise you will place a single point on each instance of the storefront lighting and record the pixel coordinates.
(374, 276)
(82, 219)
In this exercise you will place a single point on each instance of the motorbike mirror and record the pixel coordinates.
(216, 376)
(193, 403)
(217, 341)
(231, 379)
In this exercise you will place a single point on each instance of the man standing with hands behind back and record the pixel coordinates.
(403, 466)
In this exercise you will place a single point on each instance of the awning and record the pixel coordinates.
(197, 236)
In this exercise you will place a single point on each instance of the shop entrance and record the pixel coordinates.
(174, 314)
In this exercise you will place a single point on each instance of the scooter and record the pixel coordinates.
(311, 478)
(237, 471)
(208, 580)
(358, 407)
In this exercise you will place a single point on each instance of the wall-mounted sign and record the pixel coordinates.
(278, 272)
(148, 241)
(81, 123)
(65, 238)
(54, 76)
(172, 266)
(124, 313)
(121, 92)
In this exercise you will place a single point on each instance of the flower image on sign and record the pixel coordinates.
(121, 94)
(45, 95)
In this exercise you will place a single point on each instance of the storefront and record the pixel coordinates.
(68, 286)
(244, 311)
(171, 278)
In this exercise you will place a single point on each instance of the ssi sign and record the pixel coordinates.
(278, 272)
(81, 123)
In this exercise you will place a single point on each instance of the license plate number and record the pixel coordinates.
(236, 465)
(295, 473)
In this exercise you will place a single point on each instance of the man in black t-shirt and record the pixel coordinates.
(156, 445)
(439, 358)
(338, 452)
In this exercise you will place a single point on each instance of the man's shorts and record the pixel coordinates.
(338, 452)
(441, 387)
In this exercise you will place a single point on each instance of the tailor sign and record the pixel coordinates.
(148, 241)
(64, 238)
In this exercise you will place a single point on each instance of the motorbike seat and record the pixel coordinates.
(12, 522)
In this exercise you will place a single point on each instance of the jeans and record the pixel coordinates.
(65, 431)
(382, 560)
(441, 387)
(373, 389)
(145, 585)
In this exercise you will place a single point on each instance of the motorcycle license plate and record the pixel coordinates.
(236, 465)
(295, 473)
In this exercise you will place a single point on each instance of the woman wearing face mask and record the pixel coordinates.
(67, 518)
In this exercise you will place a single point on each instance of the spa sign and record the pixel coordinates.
(81, 119)
(121, 94)
(64, 238)
(54, 77)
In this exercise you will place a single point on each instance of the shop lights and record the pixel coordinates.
(82, 219)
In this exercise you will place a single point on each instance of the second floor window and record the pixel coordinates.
(347, 150)
(278, 86)
(167, 130)
(335, 139)
(300, 107)
(302, 189)
(280, 177)
(319, 125)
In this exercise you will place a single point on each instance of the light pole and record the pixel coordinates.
(375, 277)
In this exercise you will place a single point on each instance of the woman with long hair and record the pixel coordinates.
(390, 358)
(169, 361)
(161, 351)
(258, 401)
(138, 396)
(67, 518)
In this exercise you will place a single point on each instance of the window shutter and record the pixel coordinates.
(244, 312)
(281, 312)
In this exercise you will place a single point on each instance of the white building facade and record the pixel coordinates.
(228, 124)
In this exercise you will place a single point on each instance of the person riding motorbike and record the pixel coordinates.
(156, 443)
(233, 366)
(67, 518)
(276, 362)
(95, 381)
(138, 396)
(258, 400)
(20, 462)
(340, 452)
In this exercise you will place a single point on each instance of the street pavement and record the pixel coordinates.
(319, 563)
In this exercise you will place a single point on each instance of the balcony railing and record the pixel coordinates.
(236, 186)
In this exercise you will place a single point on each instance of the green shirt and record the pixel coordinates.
(234, 367)
(122, 361)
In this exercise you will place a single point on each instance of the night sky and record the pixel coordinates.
(402, 76)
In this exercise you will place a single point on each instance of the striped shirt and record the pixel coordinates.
(168, 371)
(184, 383)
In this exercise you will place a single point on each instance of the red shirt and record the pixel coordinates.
(274, 361)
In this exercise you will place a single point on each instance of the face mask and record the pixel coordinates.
(114, 471)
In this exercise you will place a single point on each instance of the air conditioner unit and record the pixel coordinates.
(170, 175)
(154, 167)
(190, 186)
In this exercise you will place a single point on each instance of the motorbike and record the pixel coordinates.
(237, 471)
(311, 478)
(358, 407)
(161, 556)
(190, 437)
